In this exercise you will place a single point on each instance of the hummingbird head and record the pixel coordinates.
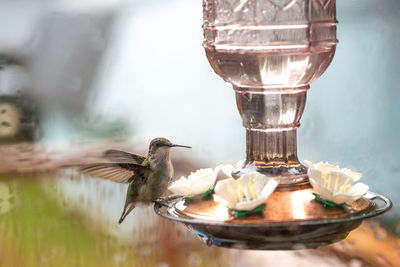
(159, 147)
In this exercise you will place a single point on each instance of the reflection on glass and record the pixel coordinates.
(270, 51)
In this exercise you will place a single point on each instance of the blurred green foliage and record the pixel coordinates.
(39, 232)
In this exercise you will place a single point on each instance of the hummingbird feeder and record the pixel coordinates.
(271, 51)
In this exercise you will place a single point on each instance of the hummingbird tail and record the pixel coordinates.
(126, 211)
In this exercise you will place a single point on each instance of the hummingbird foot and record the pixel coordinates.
(164, 201)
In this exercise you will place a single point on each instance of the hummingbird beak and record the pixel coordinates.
(174, 145)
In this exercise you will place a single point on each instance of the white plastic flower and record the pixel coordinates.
(335, 184)
(247, 192)
(224, 171)
(197, 183)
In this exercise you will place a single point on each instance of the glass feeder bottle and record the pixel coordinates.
(270, 51)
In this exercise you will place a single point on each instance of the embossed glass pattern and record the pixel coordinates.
(270, 51)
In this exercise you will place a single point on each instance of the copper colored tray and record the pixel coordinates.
(291, 220)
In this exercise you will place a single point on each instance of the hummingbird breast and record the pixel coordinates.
(157, 181)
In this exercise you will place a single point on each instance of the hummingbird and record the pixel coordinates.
(148, 177)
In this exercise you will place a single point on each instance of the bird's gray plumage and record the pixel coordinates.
(148, 177)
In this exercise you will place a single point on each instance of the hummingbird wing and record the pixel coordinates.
(122, 156)
(123, 173)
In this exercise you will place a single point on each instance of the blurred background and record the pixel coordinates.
(78, 77)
